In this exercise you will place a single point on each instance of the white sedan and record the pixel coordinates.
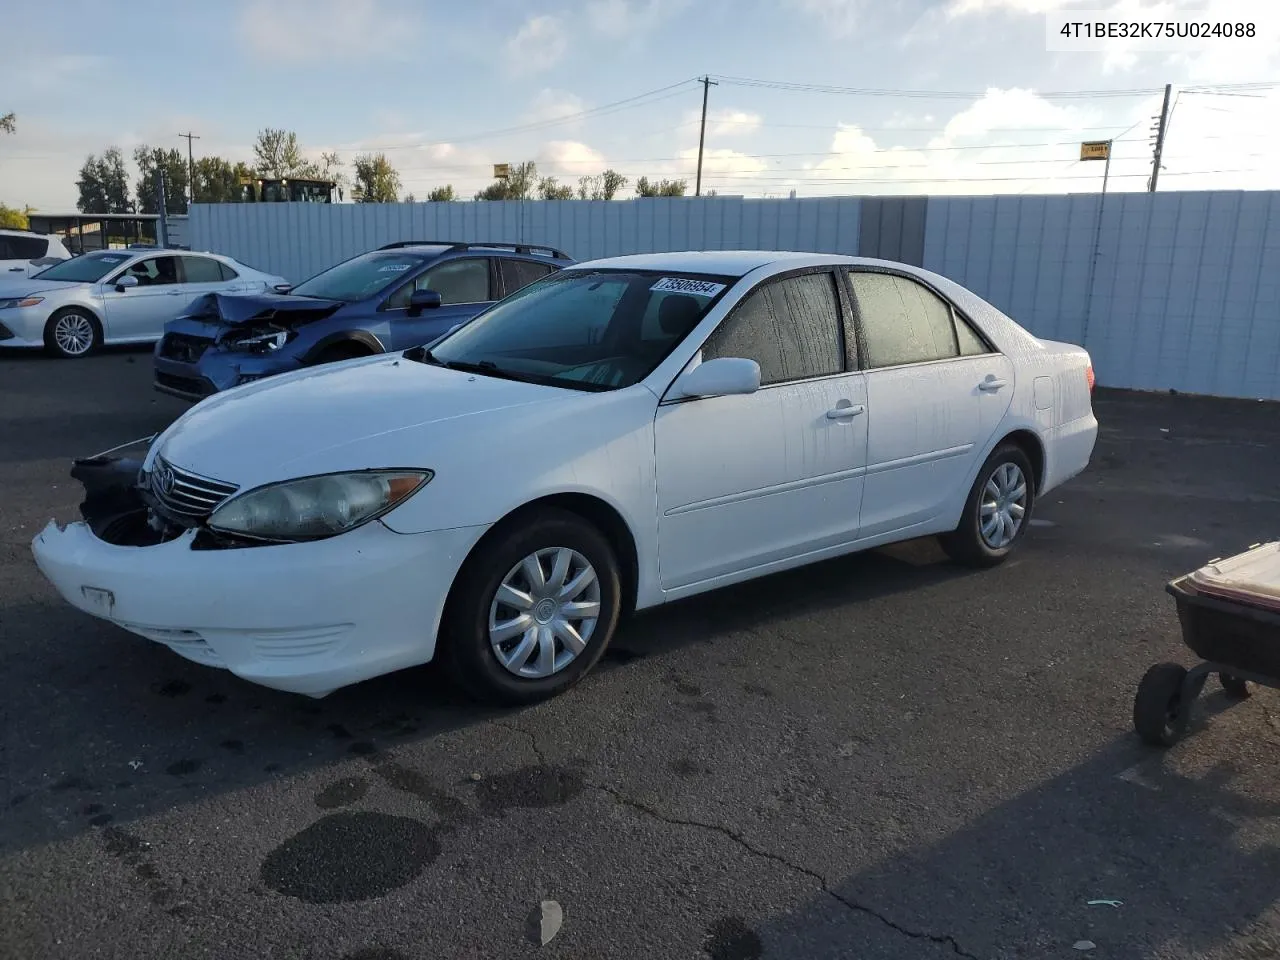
(622, 434)
(116, 296)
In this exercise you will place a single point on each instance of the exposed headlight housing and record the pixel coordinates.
(263, 341)
(20, 302)
(312, 508)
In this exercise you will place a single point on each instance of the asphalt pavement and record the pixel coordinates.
(883, 756)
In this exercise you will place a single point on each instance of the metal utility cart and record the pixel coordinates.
(1230, 616)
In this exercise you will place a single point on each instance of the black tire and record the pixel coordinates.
(1159, 715)
(56, 333)
(340, 351)
(464, 646)
(966, 543)
(1235, 688)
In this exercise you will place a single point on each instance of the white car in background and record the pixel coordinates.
(621, 434)
(23, 253)
(116, 296)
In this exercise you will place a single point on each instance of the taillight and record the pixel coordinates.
(1088, 376)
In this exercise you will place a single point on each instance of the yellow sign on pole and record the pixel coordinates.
(1095, 150)
(501, 171)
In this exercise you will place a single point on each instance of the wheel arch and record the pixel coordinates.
(594, 510)
(363, 338)
(1030, 444)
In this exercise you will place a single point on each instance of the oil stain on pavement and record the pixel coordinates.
(354, 855)
(351, 856)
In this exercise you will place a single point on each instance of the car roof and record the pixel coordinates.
(726, 263)
(17, 232)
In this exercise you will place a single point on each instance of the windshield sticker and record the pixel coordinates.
(394, 268)
(701, 288)
(113, 259)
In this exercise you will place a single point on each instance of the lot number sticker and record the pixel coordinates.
(394, 268)
(701, 288)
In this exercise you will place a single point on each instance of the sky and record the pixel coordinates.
(935, 96)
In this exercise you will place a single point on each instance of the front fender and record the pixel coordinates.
(362, 337)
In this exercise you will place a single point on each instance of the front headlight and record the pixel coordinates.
(20, 302)
(263, 341)
(315, 507)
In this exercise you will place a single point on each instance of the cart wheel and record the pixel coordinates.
(1234, 686)
(1159, 715)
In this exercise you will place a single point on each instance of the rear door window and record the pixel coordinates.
(517, 274)
(26, 248)
(201, 270)
(903, 321)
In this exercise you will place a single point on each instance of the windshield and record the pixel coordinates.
(360, 277)
(584, 329)
(89, 268)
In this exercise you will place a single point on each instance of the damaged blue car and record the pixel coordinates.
(398, 296)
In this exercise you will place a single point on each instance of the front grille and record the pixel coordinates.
(188, 386)
(182, 496)
(184, 347)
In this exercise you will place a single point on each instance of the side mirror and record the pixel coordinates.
(720, 377)
(421, 300)
(125, 282)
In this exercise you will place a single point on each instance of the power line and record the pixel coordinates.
(639, 100)
(929, 94)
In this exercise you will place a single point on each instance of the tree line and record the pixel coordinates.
(104, 185)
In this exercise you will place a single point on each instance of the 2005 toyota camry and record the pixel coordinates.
(619, 435)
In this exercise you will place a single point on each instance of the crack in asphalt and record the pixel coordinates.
(944, 940)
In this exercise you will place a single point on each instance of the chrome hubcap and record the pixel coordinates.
(1004, 506)
(544, 612)
(73, 334)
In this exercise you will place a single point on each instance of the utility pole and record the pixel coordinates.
(1162, 124)
(162, 225)
(707, 84)
(191, 167)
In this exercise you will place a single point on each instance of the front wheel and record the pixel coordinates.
(71, 334)
(532, 610)
(996, 513)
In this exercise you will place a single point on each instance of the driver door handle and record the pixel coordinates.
(992, 384)
(846, 413)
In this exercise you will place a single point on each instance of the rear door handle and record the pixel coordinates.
(992, 385)
(846, 413)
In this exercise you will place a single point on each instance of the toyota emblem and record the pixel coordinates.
(164, 478)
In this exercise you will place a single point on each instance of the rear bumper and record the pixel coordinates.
(1068, 451)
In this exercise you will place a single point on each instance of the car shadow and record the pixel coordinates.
(1172, 850)
(114, 720)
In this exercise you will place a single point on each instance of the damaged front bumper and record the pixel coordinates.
(193, 361)
(306, 618)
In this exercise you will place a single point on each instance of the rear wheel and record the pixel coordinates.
(72, 333)
(996, 513)
(532, 610)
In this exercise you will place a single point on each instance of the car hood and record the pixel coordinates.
(27, 287)
(345, 416)
(239, 309)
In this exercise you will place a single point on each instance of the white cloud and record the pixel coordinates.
(294, 31)
(724, 123)
(553, 105)
(569, 159)
(840, 17)
(623, 18)
(538, 45)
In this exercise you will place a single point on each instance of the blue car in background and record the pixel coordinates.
(398, 296)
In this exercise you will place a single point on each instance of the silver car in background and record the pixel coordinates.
(116, 296)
